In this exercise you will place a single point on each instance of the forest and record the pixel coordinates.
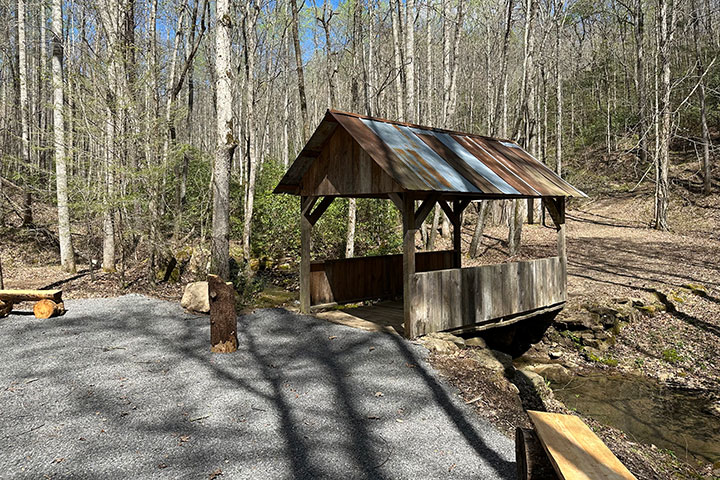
(153, 125)
(142, 147)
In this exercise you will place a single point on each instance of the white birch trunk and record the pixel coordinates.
(67, 256)
(24, 110)
(225, 143)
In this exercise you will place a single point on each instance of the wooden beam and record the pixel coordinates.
(456, 220)
(305, 237)
(446, 208)
(17, 296)
(556, 209)
(319, 210)
(461, 206)
(409, 231)
(307, 203)
(397, 200)
(425, 208)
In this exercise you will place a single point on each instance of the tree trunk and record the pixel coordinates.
(27, 217)
(223, 318)
(707, 175)
(558, 99)
(640, 81)
(329, 64)
(667, 25)
(400, 94)
(411, 114)
(481, 209)
(249, 33)
(225, 143)
(67, 256)
(515, 230)
(299, 69)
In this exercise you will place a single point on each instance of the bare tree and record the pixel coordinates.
(666, 22)
(225, 142)
(67, 256)
(27, 217)
(294, 27)
(250, 15)
(707, 174)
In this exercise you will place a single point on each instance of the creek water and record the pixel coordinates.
(672, 419)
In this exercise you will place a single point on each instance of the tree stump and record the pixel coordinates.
(47, 308)
(223, 318)
(530, 457)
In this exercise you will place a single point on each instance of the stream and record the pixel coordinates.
(648, 412)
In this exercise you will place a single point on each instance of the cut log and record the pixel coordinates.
(530, 457)
(47, 308)
(223, 318)
(5, 308)
(17, 296)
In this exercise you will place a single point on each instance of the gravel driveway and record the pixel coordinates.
(127, 388)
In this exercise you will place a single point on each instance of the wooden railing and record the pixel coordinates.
(456, 298)
(364, 278)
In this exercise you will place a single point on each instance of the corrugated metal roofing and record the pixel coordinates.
(429, 159)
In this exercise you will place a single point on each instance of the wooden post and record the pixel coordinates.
(409, 230)
(223, 319)
(305, 237)
(530, 457)
(457, 234)
(556, 209)
(531, 211)
(562, 251)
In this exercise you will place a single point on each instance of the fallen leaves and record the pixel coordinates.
(216, 473)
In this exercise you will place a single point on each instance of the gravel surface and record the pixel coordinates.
(127, 388)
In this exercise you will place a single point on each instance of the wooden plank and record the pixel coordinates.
(366, 278)
(17, 296)
(574, 450)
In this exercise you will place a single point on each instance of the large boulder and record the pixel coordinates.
(437, 345)
(442, 342)
(494, 361)
(195, 298)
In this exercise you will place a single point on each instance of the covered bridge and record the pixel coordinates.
(351, 155)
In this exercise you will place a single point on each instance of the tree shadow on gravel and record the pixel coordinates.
(298, 400)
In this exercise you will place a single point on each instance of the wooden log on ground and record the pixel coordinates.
(17, 296)
(5, 308)
(46, 308)
(530, 457)
(223, 318)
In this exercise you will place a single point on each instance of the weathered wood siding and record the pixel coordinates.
(364, 278)
(454, 298)
(343, 168)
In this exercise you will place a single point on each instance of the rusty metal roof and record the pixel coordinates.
(424, 159)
